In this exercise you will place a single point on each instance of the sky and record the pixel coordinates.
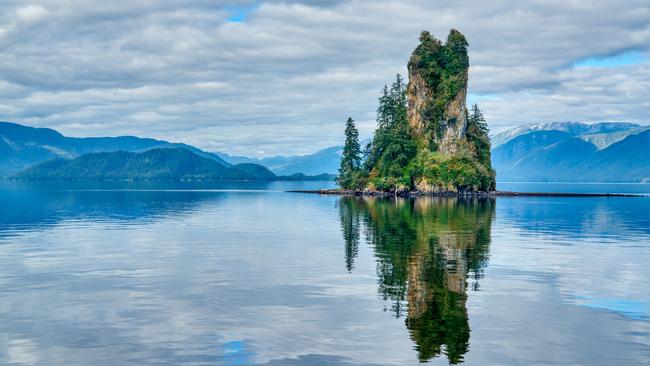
(262, 78)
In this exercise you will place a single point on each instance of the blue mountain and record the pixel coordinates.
(610, 129)
(606, 152)
(325, 161)
(23, 147)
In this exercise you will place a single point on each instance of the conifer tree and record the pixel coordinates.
(393, 146)
(351, 158)
(366, 155)
(477, 134)
(476, 117)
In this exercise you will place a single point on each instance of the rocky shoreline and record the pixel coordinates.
(466, 194)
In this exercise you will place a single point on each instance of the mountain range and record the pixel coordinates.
(159, 164)
(24, 147)
(558, 151)
(325, 161)
(573, 152)
(601, 134)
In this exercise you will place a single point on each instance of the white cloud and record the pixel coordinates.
(31, 13)
(285, 79)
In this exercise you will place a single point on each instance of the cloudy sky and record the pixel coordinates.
(280, 77)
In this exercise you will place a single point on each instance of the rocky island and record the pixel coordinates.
(427, 141)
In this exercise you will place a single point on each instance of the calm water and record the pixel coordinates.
(633, 188)
(250, 275)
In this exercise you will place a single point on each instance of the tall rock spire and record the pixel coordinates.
(437, 91)
(426, 139)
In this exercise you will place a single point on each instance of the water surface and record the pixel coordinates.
(544, 187)
(250, 275)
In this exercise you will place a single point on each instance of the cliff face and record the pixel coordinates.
(437, 91)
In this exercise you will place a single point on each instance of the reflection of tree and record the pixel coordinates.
(425, 249)
(350, 226)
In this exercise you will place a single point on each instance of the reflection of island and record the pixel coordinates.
(426, 249)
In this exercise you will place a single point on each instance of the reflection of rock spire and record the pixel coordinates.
(437, 313)
(425, 250)
(455, 263)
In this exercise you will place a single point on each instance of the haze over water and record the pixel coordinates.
(251, 275)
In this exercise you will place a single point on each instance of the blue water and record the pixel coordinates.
(628, 188)
(204, 274)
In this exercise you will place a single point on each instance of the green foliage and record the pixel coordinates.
(349, 171)
(401, 163)
(477, 136)
(393, 146)
(397, 159)
(444, 69)
(460, 171)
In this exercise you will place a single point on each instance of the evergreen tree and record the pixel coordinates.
(477, 135)
(351, 158)
(349, 213)
(476, 117)
(366, 157)
(381, 137)
(393, 146)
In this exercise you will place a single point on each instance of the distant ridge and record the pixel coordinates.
(22, 147)
(162, 164)
(599, 152)
(324, 161)
(573, 152)
(573, 128)
(302, 177)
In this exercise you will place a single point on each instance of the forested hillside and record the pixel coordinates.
(155, 164)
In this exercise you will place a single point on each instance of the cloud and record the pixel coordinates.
(581, 94)
(283, 76)
(31, 13)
